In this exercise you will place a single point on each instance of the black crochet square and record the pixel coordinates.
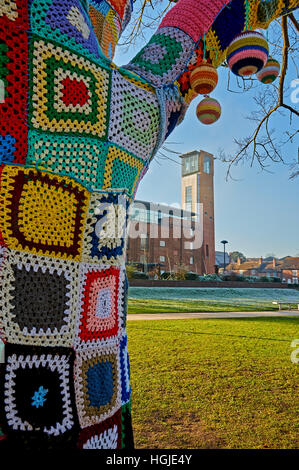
(38, 392)
(39, 298)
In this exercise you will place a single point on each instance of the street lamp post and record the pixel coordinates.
(224, 264)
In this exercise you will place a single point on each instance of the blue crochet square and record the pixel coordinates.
(99, 378)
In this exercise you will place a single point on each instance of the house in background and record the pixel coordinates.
(286, 269)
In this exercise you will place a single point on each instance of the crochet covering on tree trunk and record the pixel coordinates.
(77, 134)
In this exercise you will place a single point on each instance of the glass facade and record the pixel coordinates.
(141, 213)
(190, 164)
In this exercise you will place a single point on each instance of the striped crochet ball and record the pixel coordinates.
(247, 53)
(208, 111)
(204, 79)
(270, 72)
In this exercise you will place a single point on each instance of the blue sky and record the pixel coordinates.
(257, 212)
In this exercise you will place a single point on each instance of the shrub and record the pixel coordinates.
(233, 277)
(130, 270)
(167, 276)
(190, 276)
(265, 279)
(139, 275)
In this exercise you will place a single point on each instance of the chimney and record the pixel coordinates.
(239, 261)
(274, 263)
(260, 260)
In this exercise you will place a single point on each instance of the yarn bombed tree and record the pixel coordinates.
(77, 135)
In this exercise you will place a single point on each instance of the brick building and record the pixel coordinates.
(287, 269)
(166, 238)
(163, 238)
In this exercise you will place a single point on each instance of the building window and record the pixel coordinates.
(253, 272)
(207, 251)
(188, 198)
(207, 164)
(162, 243)
(162, 258)
(143, 241)
(191, 260)
(188, 194)
(294, 272)
(190, 164)
(198, 189)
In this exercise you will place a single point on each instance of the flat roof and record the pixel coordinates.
(164, 208)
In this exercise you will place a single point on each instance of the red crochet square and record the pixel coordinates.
(14, 76)
(99, 316)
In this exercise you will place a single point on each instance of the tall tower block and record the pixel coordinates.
(198, 188)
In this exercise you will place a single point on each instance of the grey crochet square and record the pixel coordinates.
(39, 298)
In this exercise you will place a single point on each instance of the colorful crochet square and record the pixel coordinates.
(42, 213)
(134, 117)
(38, 390)
(122, 170)
(38, 299)
(66, 23)
(105, 230)
(164, 57)
(127, 441)
(105, 435)
(13, 92)
(70, 94)
(125, 371)
(97, 384)
(100, 308)
(80, 158)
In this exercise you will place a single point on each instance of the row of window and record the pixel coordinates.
(155, 217)
(190, 164)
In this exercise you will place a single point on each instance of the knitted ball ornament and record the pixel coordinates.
(247, 53)
(208, 110)
(270, 72)
(204, 78)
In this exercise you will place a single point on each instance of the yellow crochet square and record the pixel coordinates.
(42, 213)
(55, 213)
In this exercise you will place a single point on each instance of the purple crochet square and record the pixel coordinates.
(71, 19)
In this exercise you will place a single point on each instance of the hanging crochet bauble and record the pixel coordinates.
(208, 110)
(270, 72)
(204, 78)
(247, 53)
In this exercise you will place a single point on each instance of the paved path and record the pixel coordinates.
(182, 316)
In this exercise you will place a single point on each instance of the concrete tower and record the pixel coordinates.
(198, 188)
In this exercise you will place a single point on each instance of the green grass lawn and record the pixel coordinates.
(225, 383)
(175, 306)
